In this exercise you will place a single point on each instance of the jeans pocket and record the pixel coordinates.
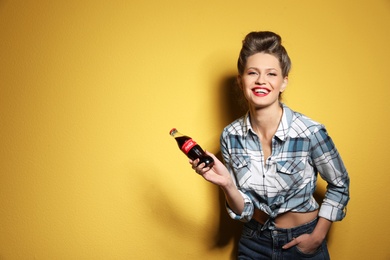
(247, 232)
(320, 253)
(311, 254)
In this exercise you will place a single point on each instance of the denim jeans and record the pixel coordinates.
(267, 244)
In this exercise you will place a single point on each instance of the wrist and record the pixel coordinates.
(228, 186)
(321, 230)
(317, 237)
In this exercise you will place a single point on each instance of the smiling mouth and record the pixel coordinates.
(261, 91)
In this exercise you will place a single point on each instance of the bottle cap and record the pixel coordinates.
(173, 130)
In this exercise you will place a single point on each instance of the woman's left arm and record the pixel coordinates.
(330, 166)
(327, 161)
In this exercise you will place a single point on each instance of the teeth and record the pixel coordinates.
(262, 91)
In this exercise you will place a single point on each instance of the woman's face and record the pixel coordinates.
(262, 80)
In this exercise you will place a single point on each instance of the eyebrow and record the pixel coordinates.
(267, 69)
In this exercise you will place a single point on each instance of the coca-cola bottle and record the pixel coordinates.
(190, 148)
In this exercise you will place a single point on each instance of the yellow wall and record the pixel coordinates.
(90, 89)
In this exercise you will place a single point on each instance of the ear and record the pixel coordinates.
(284, 85)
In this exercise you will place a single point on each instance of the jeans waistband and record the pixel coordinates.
(289, 232)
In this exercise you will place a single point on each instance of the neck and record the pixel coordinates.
(265, 121)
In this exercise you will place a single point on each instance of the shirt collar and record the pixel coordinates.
(246, 127)
(285, 122)
(283, 128)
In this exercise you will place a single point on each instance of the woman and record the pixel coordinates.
(272, 156)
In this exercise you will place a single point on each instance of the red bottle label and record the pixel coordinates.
(187, 146)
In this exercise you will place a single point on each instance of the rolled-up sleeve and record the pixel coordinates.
(331, 168)
(247, 212)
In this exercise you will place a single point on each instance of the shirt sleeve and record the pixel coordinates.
(246, 214)
(248, 210)
(331, 168)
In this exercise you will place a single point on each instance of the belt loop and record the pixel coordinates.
(289, 234)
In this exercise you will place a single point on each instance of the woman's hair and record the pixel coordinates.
(265, 42)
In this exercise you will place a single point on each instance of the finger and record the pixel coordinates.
(194, 163)
(292, 243)
(201, 165)
(200, 169)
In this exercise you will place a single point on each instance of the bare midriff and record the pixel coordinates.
(288, 219)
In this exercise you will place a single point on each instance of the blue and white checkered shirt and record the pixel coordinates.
(301, 148)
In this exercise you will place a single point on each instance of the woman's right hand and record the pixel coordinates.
(218, 174)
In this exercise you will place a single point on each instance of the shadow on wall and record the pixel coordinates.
(233, 103)
(233, 106)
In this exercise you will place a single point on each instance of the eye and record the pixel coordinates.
(252, 73)
(272, 74)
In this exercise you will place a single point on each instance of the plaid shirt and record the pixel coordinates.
(286, 181)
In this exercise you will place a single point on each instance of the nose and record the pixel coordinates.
(260, 80)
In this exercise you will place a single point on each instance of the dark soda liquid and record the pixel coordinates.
(195, 152)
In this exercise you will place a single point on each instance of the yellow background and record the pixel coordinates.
(90, 89)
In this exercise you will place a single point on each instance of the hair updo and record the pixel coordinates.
(263, 42)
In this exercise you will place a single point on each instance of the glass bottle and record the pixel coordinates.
(190, 148)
